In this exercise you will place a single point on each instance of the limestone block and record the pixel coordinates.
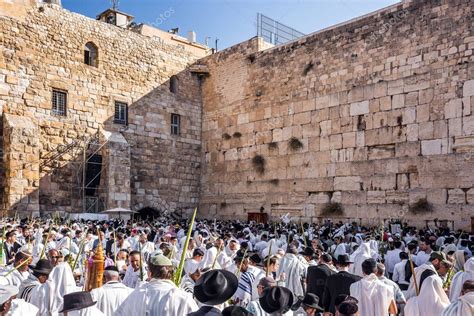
(412, 132)
(4, 88)
(322, 102)
(431, 147)
(349, 140)
(359, 108)
(425, 130)
(398, 101)
(470, 196)
(380, 89)
(347, 183)
(409, 115)
(325, 127)
(318, 197)
(453, 109)
(386, 103)
(356, 94)
(455, 127)
(302, 118)
(376, 197)
(456, 196)
(468, 125)
(468, 88)
(277, 135)
(335, 141)
(411, 99)
(408, 149)
(426, 96)
(336, 197)
(467, 105)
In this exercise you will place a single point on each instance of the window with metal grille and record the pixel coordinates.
(121, 113)
(59, 102)
(175, 124)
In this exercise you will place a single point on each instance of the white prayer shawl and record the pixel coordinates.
(431, 301)
(463, 306)
(60, 282)
(158, 297)
(131, 277)
(339, 250)
(21, 308)
(89, 311)
(411, 291)
(373, 295)
(15, 278)
(110, 296)
(294, 270)
(208, 258)
(461, 277)
(360, 255)
(459, 260)
(190, 266)
(374, 249)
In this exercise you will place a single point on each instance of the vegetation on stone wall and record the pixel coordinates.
(275, 182)
(332, 209)
(237, 135)
(295, 143)
(307, 68)
(226, 136)
(272, 145)
(422, 206)
(259, 163)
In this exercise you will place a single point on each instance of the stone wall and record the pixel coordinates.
(45, 50)
(375, 114)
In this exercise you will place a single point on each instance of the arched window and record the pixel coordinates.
(90, 54)
(174, 84)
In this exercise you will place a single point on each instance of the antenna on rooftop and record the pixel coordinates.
(115, 4)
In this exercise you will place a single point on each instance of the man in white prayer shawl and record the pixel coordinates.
(464, 305)
(360, 255)
(375, 298)
(80, 303)
(432, 298)
(112, 294)
(160, 296)
(425, 270)
(48, 297)
(132, 275)
(9, 306)
(20, 270)
(460, 278)
(294, 270)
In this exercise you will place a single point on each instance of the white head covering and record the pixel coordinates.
(6, 292)
(61, 282)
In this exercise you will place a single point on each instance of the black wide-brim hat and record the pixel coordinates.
(43, 266)
(76, 301)
(308, 251)
(215, 287)
(310, 300)
(343, 259)
(276, 299)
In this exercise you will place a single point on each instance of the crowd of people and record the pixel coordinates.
(154, 267)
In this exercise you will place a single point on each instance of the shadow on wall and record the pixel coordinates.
(146, 156)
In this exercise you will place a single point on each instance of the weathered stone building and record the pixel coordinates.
(374, 115)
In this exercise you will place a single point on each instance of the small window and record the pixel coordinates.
(121, 113)
(175, 124)
(59, 102)
(90, 54)
(174, 84)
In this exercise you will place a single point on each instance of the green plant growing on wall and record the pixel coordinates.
(422, 206)
(307, 68)
(332, 209)
(295, 144)
(237, 135)
(226, 136)
(272, 145)
(275, 182)
(259, 163)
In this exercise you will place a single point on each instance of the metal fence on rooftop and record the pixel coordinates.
(275, 32)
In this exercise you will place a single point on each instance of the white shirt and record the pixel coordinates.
(391, 259)
(399, 272)
(110, 296)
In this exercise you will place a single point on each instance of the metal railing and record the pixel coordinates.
(275, 32)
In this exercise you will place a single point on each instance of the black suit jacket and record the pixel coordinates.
(206, 311)
(10, 253)
(336, 284)
(316, 279)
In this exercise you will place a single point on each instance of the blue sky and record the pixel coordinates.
(232, 21)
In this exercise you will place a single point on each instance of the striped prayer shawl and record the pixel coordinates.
(246, 280)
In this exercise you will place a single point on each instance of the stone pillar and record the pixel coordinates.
(116, 170)
(21, 162)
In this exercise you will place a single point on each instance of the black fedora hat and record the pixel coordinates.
(235, 311)
(343, 259)
(76, 301)
(308, 251)
(215, 287)
(43, 266)
(276, 299)
(311, 300)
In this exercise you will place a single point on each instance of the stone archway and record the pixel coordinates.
(148, 213)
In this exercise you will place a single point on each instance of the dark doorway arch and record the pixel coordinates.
(148, 213)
